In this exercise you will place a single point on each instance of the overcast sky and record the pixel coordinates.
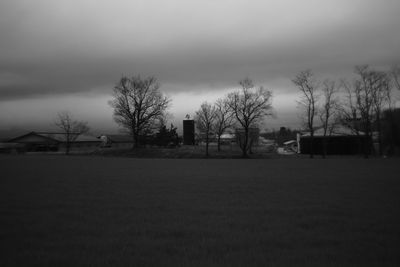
(67, 55)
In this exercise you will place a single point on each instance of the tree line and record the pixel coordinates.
(244, 108)
(365, 105)
(140, 108)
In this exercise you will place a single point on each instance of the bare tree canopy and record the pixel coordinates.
(308, 87)
(329, 106)
(367, 97)
(138, 105)
(205, 118)
(328, 110)
(250, 106)
(396, 76)
(348, 112)
(381, 100)
(70, 127)
(223, 118)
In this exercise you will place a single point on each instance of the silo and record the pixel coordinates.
(188, 132)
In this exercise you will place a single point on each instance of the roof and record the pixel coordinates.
(338, 130)
(227, 136)
(61, 137)
(58, 137)
(48, 139)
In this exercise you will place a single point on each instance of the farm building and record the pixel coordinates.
(228, 138)
(52, 142)
(341, 141)
(6, 147)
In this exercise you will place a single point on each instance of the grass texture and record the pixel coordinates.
(106, 211)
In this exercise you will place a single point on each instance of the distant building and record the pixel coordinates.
(52, 142)
(11, 148)
(341, 141)
(228, 138)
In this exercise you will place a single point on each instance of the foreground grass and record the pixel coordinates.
(58, 210)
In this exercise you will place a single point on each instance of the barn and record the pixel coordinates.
(341, 141)
(53, 142)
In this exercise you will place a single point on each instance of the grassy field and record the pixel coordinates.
(185, 152)
(81, 210)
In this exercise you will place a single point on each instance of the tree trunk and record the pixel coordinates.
(378, 121)
(206, 143)
(367, 146)
(368, 141)
(135, 139)
(219, 143)
(244, 146)
(67, 144)
(311, 144)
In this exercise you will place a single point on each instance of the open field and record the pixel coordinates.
(188, 152)
(81, 210)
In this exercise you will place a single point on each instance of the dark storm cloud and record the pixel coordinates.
(62, 47)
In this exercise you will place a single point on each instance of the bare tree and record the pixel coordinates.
(395, 72)
(389, 114)
(205, 118)
(365, 100)
(223, 119)
(70, 128)
(348, 112)
(328, 112)
(250, 106)
(365, 88)
(308, 86)
(138, 105)
(381, 99)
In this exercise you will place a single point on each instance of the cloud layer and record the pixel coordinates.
(60, 48)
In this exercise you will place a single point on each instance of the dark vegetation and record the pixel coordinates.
(360, 105)
(308, 87)
(165, 137)
(105, 211)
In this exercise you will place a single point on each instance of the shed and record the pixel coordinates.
(340, 141)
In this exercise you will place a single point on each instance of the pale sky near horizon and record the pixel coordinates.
(67, 55)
